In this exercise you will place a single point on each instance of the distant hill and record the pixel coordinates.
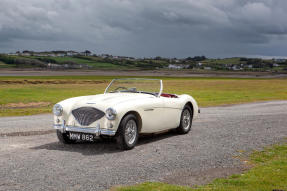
(57, 60)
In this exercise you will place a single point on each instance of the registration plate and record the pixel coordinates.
(81, 136)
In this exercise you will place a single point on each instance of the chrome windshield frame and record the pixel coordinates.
(160, 90)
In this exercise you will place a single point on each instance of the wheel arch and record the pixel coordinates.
(139, 119)
(191, 106)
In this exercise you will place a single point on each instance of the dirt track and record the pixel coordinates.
(165, 73)
(39, 162)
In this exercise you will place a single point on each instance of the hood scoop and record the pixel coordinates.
(87, 115)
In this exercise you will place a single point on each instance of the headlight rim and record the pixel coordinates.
(111, 113)
(58, 110)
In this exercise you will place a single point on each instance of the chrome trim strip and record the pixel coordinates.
(56, 126)
(96, 131)
(108, 132)
(83, 130)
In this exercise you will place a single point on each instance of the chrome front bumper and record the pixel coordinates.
(96, 131)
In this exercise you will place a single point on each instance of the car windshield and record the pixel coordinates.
(135, 85)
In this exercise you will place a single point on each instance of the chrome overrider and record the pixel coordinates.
(96, 131)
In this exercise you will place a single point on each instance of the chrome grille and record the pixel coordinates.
(87, 115)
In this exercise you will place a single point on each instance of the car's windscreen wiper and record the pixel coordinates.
(127, 91)
(148, 93)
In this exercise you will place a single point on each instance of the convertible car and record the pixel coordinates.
(127, 108)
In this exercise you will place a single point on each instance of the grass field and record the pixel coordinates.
(33, 95)
(223, 61)
(269, 173)
(93, 62)
(3, 65)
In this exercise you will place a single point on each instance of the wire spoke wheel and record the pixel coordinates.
(185, 120)
(130, 131)
(186, 117)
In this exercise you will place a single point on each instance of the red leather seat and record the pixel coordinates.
(168, 95)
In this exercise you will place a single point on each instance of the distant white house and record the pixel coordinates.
(105, 56)
(177, 66)
(207, 68)
(278, 60)
(53, 66)
(60, 55)
(236, 68)
(276, 65)
(13, 54)
(173, 66)
(72, 53)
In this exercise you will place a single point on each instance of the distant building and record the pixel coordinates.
(27, 53)
(86, 53)
(54, 66)
(279, 60)
(235, 67)
(72, 53)
(105, 56)
(177, 66)
(12, 54)
(60, 55)
(173, 66)
(207, 68)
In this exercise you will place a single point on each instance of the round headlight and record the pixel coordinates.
(111, 113)
(58, 110)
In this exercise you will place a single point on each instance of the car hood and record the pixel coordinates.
(104, 101)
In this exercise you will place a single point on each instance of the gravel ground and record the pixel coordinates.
(25, 124)
(39, 162)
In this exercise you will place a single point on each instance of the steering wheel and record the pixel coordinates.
(121, 88)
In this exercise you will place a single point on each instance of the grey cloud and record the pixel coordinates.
(146, 28)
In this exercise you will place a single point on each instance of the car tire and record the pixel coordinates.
(64, 138)
(185, 120)
(127, 134)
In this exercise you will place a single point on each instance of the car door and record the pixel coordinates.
(153, 114)
(171, 111)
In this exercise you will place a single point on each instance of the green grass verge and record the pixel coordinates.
(96, 64)
(269, 173)
(207, 91)
(3, 65)
(223, 61)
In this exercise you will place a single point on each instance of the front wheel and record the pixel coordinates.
(127, 135)
(185, 120)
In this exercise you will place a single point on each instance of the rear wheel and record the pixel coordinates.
(64, 138)
(185, 120)
(127, 135)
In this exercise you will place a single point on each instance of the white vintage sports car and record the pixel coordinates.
(128, 108)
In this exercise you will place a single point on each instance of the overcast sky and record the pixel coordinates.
(144, 28)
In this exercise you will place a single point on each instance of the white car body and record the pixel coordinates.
(154, 113)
